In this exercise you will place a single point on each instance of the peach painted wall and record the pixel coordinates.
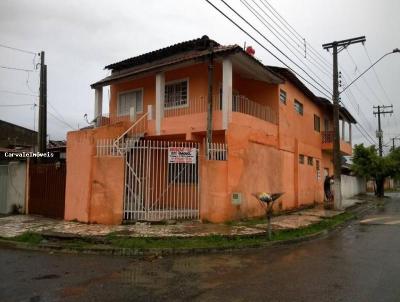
(297, 136)
(81, 149)
(107, 190)
(195, 74)
(257, 91)
(214, 199)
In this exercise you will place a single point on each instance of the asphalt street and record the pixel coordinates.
(358, 263)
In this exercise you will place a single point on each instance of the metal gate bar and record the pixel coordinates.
(156, 189)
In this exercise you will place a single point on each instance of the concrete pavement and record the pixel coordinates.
(357, 264)
(15, 225)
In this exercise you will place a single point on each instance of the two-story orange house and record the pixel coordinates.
(193, 130)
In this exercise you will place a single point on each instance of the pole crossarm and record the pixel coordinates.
(344, 43)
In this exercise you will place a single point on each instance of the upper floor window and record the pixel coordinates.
(282, 96)
(317, 123)
(176, 94)
(298, 107)
(129, 99)
(301, 158)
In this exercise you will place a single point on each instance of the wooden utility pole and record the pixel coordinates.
(381, 109)
(210, 97)
(337, 47)
(42, 124)
(393, 140)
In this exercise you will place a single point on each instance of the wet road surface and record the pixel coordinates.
(358, 263)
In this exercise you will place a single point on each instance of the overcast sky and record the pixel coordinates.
(81, 37)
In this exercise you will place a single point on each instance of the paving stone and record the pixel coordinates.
(15, 225)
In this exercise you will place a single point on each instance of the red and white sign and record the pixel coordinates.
(181, 155)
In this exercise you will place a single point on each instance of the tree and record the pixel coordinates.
(367, 163)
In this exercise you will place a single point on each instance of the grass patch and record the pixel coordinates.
(29, 238)
(223, 241)
(117, 241)
(185, 243)
(325, 224)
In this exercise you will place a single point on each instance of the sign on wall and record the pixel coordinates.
(181, 155)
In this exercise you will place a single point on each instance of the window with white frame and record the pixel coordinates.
(176, 94)
(129, 99)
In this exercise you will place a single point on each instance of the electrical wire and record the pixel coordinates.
(265, 48)
(295, 45)
(16, 105)
(294, 32)
(17, 93)
(18, 49)
(59, 120)
(276, 33)
(60, 116)
(17, 69)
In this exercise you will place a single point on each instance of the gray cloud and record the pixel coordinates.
(81, 37)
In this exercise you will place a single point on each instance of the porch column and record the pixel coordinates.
(350, 133)
(160, 95)
(98, 105)
(226, 92)
(343, 125)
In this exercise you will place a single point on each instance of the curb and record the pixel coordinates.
(140, 252)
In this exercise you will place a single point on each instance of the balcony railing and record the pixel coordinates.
(195, 105)
(109, 119)
(242, 104)
(327, 136)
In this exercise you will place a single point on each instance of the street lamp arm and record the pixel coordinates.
(394, 51)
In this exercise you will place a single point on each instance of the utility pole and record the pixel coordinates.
(393, 140)
(337, 47)
(42, 124)
(381, 109)
(210, 97)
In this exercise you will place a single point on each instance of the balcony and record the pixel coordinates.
(192, 117)
(327, 143)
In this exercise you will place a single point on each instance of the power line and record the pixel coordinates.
(18, 49)
(377, 77)
(327, 64)
(17, 93)
(60, 116)
(16, 105)
(276, 33)
(364, 133)
(382, 87)
(273, 45)
(59, 120)
(297, 43)
(296, 34)
(15, 68)
(265, 48)
(364, 79)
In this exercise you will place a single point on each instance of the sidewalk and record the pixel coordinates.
(15, 225)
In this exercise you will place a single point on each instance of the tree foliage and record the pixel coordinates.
(367, 163)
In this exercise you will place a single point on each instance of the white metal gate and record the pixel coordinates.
(161, 180)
